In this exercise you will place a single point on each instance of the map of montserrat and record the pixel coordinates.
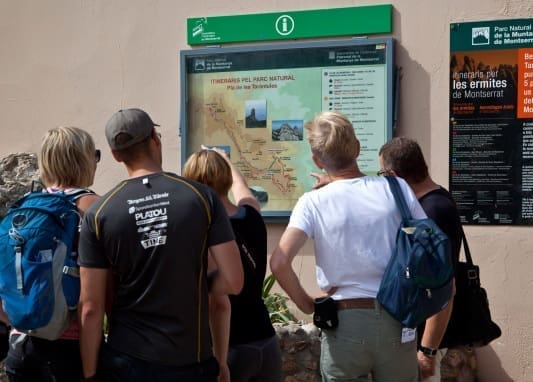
(255, 104)
(263, 131)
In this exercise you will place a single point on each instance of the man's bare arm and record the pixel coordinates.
(91, 314)
(219, 322)
(290, 243)
(433, 333)
(229, 276)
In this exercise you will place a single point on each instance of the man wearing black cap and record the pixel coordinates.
(150, 235)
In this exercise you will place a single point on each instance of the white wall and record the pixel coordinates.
(76, 62)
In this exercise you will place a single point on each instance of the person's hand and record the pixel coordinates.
(218, 150)
(223, 374)
(321, 179)
(426, 365)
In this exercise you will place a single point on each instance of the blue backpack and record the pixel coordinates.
(39, 275)
(418, 280)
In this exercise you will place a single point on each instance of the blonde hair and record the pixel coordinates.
(67, 158)
(209, 168)
(332, 139)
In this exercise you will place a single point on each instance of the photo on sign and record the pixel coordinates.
(260, 194)
(288, 130)
(256, 113)
(483, 83)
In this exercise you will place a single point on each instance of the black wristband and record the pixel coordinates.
(428, 352)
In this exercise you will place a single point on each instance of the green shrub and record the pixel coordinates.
(276, 303)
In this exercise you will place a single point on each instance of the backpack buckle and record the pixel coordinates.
(71, 271)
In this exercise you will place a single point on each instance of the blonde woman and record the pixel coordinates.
(67, 162)
(254, 353)
(353, 221)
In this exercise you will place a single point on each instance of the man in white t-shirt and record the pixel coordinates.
(353, 221)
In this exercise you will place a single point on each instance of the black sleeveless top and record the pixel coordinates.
(249, 316)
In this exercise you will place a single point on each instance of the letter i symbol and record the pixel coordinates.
(284, 24)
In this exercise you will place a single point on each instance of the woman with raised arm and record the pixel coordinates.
(254, 353)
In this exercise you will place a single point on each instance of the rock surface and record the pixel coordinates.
(17, 171)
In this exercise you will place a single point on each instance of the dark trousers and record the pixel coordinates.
(39, 360)
(258, 361)
(119, 367)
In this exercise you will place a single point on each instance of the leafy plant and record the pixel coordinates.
(276, 303)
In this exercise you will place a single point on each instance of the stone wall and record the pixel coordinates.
(16, 174)
(300, 349)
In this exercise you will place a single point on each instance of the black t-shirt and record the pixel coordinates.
(440, 206)
(153, 232)
(249, 316)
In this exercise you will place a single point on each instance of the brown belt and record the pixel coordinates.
(356, 303)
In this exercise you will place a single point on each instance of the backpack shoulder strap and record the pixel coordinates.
(398, 196)
(466, 248)
(76, 193)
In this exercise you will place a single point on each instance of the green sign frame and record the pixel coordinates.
(291, 25)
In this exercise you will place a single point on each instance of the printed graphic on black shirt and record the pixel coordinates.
(151, 218)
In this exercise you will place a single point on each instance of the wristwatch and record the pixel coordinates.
(428, 352)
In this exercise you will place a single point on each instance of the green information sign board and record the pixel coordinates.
(290, 25)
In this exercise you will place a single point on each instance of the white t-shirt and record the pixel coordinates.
(353, 223)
